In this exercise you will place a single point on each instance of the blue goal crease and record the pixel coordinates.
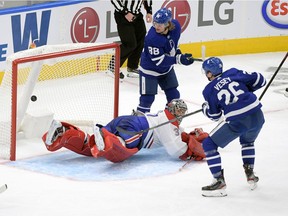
(67, 164)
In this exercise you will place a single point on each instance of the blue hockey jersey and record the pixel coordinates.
(159, 53)
(232, 94)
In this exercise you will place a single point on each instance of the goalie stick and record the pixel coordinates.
(151, 128)
(3, 188)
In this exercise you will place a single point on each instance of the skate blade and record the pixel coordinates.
(132, 75)
(98, 139)
(252, 185)
(50, 135)
(111, 74)
(214, 193)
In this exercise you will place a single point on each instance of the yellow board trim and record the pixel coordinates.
(237, 46)
(1, 76)
(72, 68)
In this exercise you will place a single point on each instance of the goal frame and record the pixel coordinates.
(40, 57)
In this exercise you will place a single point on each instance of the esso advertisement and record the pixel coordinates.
(275, 13)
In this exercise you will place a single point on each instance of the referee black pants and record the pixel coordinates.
(132, 35)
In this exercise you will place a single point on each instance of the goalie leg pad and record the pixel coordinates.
(93, 148)
(76, 141)
(73, 139)
(114, 150)
(194, 141)
(196, 148)
(54, 146)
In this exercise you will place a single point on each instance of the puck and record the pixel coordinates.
(33, 98)
(286, 92)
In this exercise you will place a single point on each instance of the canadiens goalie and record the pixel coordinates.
(117, 146)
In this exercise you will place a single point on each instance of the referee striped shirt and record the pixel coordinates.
(132, 6)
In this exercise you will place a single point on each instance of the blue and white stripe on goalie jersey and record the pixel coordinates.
(148, 141)
(232, 92)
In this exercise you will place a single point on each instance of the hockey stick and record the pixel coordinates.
(184, 165)
(151, 128)
(198, 59)
(195, 59)
(279, 67)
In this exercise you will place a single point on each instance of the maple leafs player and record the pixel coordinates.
(117, 146)
(231, 93)
(159, 55)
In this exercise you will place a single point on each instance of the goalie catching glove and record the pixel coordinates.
(194, 142)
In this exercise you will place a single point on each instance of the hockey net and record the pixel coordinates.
(70, 83)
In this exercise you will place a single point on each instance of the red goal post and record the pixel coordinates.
(71, 83)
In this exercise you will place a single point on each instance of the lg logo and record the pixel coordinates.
(85, 26)
(182, 12)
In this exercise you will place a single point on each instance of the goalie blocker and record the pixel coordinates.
(66, 135)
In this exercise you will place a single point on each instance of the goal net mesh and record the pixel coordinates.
(70, 82)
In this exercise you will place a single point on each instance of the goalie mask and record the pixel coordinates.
(178, 108)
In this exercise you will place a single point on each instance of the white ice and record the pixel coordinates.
(171, 192)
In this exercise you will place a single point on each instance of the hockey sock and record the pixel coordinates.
(248, 153)
(213, 157)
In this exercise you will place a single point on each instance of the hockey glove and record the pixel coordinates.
(184, 59)
(205, 108)
(206, 112)
(194, 139)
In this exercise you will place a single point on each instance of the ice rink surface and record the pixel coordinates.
(150, 183)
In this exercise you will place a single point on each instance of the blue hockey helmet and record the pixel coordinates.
(213, 65)
(162, 16)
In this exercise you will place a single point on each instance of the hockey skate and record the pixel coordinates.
(250, 175)
(56, 129)
(216, 189)
(132, 73)
(98, 138)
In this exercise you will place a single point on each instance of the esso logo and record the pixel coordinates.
(275, 12)
(180, 11)
(85, 26)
